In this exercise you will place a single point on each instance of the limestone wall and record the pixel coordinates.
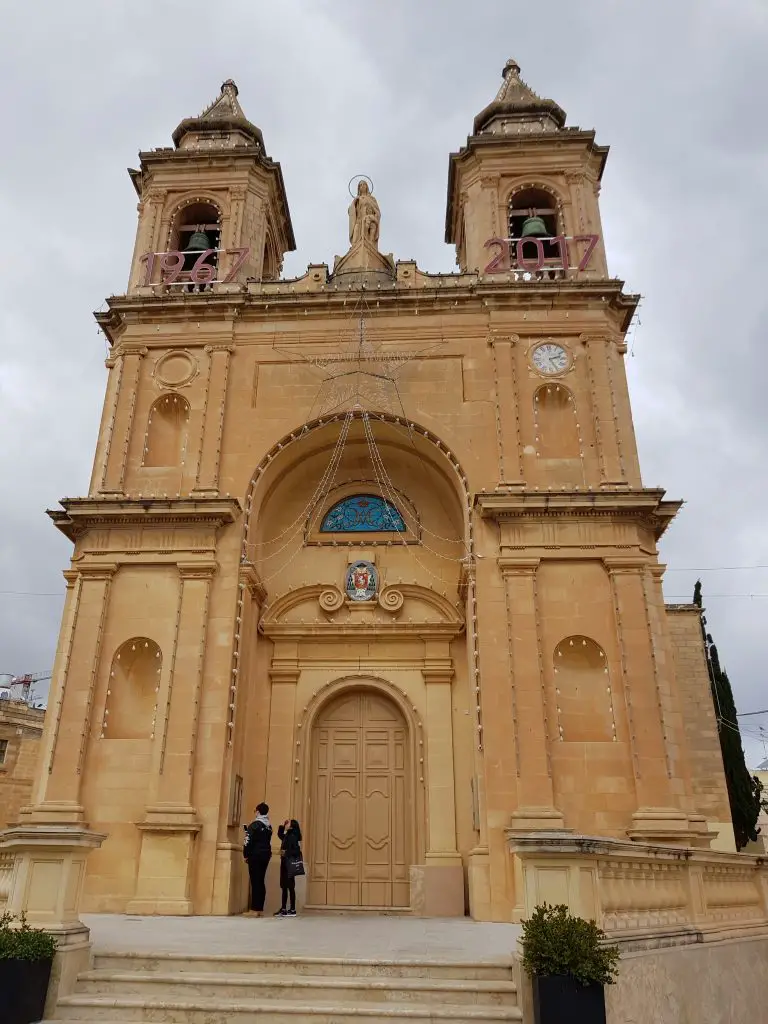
(21, 727)
(707, 776)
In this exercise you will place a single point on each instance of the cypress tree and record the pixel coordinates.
(744, 790)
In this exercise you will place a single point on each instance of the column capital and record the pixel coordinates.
(287, 671)
(511, 566)
(197, 570)
(71, 576)
(249, 579)
(498, 338)
(625, 564)
(222, 347)
(97, 570)
(131, 348)
(437, 670)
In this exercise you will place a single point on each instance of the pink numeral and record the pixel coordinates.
(526, 264)
(500, 261)
(562, 245)
(242, 256)
(202, 272)
(171, 265)
(149, 259)
(591, 241)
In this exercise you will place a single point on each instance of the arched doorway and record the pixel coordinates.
(360, 816)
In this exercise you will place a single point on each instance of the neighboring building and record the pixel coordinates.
(21, 728)
(373, 545)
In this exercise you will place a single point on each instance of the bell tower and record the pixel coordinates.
(524, 174)
(212, 208)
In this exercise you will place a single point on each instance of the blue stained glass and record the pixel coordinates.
(363, 513)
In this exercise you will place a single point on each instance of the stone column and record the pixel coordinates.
(116, 460)
(606, 428)
(283, 676)
(507, 411)
(536, 808)
(66, 738)
(437, 889)
(209, 457)
(47, 886)
(166, 861)
(658, 816)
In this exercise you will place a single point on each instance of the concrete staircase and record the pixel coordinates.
(176, 988)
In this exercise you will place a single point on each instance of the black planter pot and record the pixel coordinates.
(558, 998)
(23, 989)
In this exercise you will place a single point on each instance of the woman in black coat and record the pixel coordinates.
(289, 835)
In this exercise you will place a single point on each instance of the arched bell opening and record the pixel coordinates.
(533, 213)
(196, 234)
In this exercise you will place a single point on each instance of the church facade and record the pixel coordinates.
(373, 545)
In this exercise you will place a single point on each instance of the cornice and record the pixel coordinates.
(446, 294)
(647, 504)
(81, 514)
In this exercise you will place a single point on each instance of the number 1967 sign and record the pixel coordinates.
(202, 272)
(528, 253)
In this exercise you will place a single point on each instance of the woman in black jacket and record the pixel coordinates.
(289, 835)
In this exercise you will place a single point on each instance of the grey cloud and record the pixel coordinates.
(677, 90)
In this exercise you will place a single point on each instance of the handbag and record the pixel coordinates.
(294, 866)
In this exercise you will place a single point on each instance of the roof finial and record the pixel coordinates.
(231, 85)
(511, 65)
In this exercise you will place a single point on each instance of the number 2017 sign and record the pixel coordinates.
(172, 270)
(527, 254)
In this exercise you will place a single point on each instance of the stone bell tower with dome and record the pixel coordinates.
(372, 544)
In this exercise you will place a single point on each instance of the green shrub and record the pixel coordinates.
(555, 942)
(24, 943)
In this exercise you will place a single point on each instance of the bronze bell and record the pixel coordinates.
(534, 227)
(199, 241)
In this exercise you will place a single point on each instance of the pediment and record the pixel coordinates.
(399, 608)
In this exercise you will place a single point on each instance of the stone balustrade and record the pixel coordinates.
(640, 890)
(6, 872)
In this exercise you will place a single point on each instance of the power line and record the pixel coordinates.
(718, 568)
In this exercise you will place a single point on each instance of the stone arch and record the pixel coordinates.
(165, 439)
(323, 702)
(584, 696)
(510, 198)
(130, 710)
(180, 212)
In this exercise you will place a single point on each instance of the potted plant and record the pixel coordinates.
(569, 965)
(26, 958)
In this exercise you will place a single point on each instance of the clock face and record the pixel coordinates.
(550, 358)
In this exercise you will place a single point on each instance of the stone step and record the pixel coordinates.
(297, 965)
(92, 1009)
(160, 986)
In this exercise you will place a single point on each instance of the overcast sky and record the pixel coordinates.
(677, 88)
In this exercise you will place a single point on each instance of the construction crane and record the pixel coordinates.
(20, 687)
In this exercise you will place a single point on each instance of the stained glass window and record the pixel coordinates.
(363, 513)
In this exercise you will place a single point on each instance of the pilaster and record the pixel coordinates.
(598, 349)
(209, 460)
(536, 803)
(119, 433)
(507, 399)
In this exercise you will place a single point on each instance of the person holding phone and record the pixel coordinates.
(291, 865)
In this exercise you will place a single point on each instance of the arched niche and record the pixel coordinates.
(165, 439)
(303, 470)
(134, 680)
(583, 692)
(556, 422)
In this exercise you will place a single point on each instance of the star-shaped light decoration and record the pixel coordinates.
(357, 373)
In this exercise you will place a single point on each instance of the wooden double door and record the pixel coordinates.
(360, 842)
